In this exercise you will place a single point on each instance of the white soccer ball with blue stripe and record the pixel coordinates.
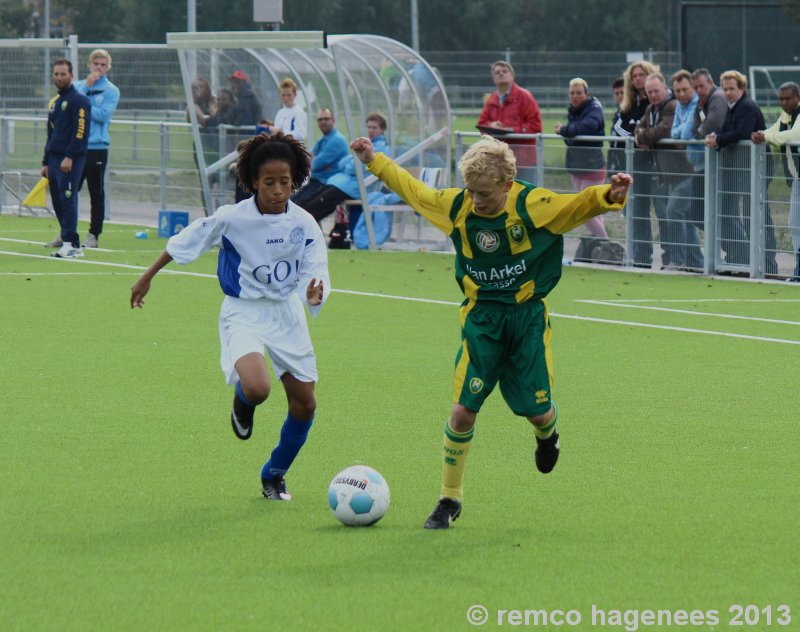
(358, 496)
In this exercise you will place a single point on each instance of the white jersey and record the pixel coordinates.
(293, 121)
(260, 256)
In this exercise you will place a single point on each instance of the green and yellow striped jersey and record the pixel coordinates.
(510, 257)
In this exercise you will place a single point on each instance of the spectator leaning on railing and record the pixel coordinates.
(742, 119)
(785, 130)
(680, 215)
(655, 125)
(584, 160)
(616, 149)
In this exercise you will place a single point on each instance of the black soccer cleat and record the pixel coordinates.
(242, 418)
(447, 510)
(547, 453)
(275, 488)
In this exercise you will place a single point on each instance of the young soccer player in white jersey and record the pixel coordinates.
(272, 258)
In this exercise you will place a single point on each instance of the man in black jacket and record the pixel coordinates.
(743, 118)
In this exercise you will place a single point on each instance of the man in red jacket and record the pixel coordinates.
(511, 109)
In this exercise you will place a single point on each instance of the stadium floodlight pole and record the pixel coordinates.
(414, 25)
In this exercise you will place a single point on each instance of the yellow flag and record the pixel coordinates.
(38, 196)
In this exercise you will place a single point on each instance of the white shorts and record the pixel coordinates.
(251, 325)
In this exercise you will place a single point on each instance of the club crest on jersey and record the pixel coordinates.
(487, 240)
(475, 385)
(63, 105)
(516, 233)
(296, 236)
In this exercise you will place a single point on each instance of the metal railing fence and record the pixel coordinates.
(723, 211)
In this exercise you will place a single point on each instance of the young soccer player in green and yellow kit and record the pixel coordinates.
(509, 246)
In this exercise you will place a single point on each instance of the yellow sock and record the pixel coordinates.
(546, 431)
(455, 448)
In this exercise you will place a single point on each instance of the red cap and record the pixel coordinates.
(240, 74)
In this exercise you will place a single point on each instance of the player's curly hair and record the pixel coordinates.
(276, 147)
(488, 157)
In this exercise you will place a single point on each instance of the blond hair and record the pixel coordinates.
(488, 157)
(738, 77)
(288, 83)
(100, 52)
(629, 98)
(577, 81)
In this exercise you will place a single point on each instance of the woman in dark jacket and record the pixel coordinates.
(585, 161)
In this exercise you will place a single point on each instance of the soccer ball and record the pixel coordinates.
(358, 496)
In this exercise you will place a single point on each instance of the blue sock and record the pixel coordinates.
(240, 394)
(293, 436)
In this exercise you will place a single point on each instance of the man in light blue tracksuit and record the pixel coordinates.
(104, 97)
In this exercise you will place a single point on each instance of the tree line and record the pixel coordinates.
(529, 25)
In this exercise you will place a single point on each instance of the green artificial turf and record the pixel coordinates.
(128, 504)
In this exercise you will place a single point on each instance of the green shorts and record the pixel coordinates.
(509, 344)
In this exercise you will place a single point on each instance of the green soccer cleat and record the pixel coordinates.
(447, 510)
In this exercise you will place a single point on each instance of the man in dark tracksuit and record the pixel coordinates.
(65, 153)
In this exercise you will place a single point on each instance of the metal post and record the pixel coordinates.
(459, 153)
(162, 175)
(3, 143)
(539, 161)
(47, 70)
(710, 191)
(414, 25)
(72, 44)
(134, 136)
(629, 151)
(757, 215)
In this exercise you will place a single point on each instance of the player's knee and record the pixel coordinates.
(303, 408)
(462, 419)
(257, 391)
(543, 419)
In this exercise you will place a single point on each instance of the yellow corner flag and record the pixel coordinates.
(38, 195)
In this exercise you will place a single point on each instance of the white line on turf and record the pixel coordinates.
(690, 312)
(106, 263)
(696, 300)
(39, 243)
(683, 329)
(438, 302)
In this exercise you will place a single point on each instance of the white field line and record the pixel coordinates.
(691, 312)
(436, 302)
(39, 243)
(697, 300)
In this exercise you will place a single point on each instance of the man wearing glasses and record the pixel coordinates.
(326, 154)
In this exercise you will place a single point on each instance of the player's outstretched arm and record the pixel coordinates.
(620, 183)
(363, 149)
(142, 286)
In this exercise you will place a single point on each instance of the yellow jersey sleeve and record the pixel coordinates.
(560, 213)
(433, 204)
